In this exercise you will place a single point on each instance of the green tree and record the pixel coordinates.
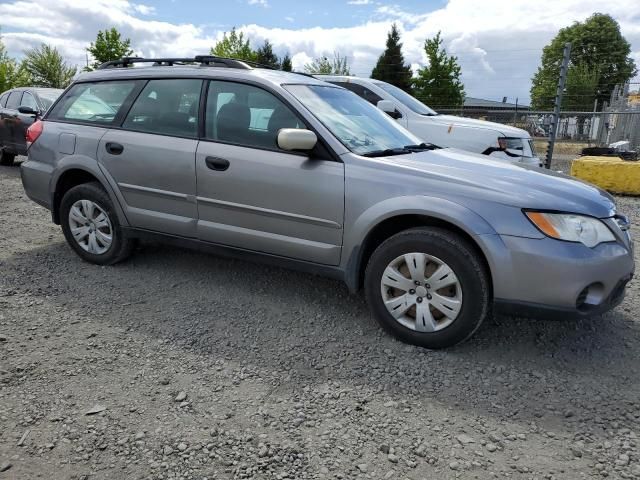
(390, 67)
(234, 45)
(324, 66)
(108, 46)
(438, 84)
(265, 56)
(286, 64)
(597, 46)
(11, 74)
(581, 88)
(46, 67)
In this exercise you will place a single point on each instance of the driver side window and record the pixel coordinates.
(28, 101)
(246, 115)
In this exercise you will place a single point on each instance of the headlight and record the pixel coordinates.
(572, 228)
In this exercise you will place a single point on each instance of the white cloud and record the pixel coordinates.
(290, 19)
(144, 9)
(262, 3)
(498, 42)
(360, 2)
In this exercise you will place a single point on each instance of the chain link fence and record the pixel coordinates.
(617, 121)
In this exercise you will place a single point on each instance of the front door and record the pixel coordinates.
(152, 157)
(9, 119)
(24, 121)
(255, 196)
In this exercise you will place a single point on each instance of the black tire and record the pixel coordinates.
(6, 159)
(121, 246)
(456, 252)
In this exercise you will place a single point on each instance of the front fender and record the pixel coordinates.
(434, 207)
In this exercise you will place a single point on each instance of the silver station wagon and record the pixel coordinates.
(288, 169)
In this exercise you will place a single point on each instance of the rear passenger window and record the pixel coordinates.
(246, 115)
(167, 107)
(14, 100)
(93, 102)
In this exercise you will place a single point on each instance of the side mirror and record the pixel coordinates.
(28, 111)
(296, 139)
(389, 108)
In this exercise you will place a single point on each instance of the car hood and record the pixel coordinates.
(505, 130)
(469, 177)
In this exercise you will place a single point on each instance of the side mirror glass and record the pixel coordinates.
(296, 139)
(27, 110)
(389, 108)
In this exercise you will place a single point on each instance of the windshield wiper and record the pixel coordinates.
(387, 152)
(421, 146)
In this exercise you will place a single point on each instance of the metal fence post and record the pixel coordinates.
(553, 131)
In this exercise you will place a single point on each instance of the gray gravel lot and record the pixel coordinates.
(178, 364)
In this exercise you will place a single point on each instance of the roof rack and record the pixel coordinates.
(203, 60)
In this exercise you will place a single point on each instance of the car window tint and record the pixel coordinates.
(3, 99)
(14, 100)
(363, 92)
(168, 107)
(28, 101)
(93, 102)
(246, 115)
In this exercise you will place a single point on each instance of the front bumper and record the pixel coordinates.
(545, 277)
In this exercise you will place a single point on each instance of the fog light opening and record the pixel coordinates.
(590, 296)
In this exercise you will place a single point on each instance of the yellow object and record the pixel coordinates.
(609, 173)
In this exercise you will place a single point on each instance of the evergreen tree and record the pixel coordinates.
(390, 67)
(438, 84)
(286, 64)
(266, 57)
(597, 48)
(108, 46)
(234, 46)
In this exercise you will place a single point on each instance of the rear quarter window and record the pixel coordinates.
(3, 100)
(97, 103)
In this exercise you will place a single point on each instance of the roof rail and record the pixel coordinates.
(203, 60)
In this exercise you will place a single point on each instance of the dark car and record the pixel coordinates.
(19, 108)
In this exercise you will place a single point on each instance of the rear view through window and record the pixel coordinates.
(93, 102)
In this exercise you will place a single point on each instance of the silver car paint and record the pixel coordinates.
(275, 203)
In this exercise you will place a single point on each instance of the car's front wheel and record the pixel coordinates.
(91, 226)
(428, 287)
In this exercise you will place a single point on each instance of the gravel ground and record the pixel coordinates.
(177, 364)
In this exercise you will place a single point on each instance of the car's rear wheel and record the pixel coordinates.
(428, 287)
(91, 226)
(6, 158)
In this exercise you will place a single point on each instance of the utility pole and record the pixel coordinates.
(553, 131)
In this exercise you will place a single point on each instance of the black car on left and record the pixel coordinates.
(19, 108)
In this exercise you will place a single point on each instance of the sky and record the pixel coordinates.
(498, 42)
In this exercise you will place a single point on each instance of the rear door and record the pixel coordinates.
(151, 156)
(255, 196)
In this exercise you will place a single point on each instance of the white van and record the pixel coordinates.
(489, 138)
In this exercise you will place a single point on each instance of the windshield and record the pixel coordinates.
(360, 126)
(403, 97)
(47, 97)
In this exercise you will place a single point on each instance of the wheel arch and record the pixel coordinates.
(442, 214)
(77, 173)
